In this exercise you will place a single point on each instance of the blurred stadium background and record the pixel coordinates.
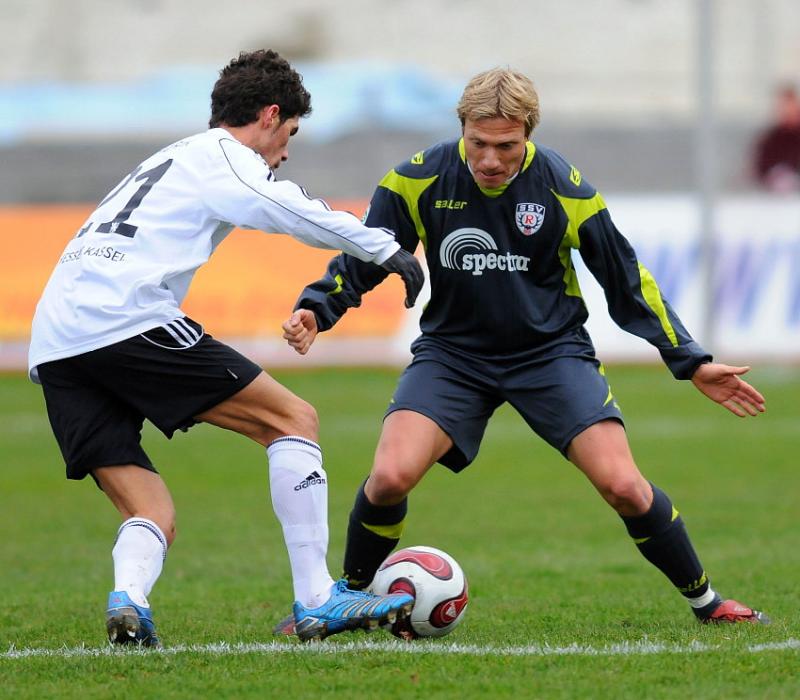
(658, 104)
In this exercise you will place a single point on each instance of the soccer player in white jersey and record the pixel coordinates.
(111, 346)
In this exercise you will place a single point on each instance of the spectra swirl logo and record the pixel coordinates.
(454, 253)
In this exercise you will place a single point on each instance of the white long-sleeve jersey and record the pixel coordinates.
(129, 267)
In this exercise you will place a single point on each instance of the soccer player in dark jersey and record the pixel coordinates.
(498, 217)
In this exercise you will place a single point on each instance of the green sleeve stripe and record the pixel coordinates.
(652, 295)
(392, 532)
(577, 211)
(410, 189)
(336, 290)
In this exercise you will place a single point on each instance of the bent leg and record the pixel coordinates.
(602, 453)
(409, 445)
(264, 411)
(287, 426)
(139, 493)
(148, 527)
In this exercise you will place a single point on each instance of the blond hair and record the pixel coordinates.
(500, 92)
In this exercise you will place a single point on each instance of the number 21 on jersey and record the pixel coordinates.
(119, 224)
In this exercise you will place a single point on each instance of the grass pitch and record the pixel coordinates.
(562, 605)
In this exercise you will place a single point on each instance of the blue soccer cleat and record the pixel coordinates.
(349, 610)
(128, 623)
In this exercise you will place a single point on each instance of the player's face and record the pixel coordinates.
(495, 149)
(275, 145)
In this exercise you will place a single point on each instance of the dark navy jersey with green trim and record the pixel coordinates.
(501, 272)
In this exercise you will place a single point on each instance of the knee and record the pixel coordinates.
(629, 495)
(389, 485)
(298, 417)
(165, 519)
(170, 532)
(305, 421)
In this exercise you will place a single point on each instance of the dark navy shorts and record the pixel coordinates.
(560, 390)
(97, 401)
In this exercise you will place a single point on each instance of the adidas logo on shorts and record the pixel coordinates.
(312, 479)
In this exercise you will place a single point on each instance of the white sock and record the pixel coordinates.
(139, 553)
(703, 600)
(299, 489)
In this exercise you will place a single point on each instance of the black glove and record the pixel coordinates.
(406, 265)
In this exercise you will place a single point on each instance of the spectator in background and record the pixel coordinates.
(777, 153)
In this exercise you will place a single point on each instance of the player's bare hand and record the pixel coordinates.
(300, 330)
(721, 383)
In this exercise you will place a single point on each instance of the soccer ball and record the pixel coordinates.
(437, 583)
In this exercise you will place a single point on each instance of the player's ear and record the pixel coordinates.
(269, 115)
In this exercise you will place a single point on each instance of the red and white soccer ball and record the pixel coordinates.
(437, 583)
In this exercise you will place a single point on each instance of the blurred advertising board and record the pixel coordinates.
(251, 283)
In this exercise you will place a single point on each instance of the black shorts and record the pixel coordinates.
(97, 401)
(560, 390)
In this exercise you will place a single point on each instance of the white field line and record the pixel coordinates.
(640, 648)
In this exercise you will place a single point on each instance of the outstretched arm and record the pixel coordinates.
(348, 278)
(302, 327)
(721, 383)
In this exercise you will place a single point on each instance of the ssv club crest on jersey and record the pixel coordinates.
(530, 217)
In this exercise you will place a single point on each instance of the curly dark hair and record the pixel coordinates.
(255, 80)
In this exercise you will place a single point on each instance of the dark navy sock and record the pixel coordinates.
(372, 533)
(662, 539)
